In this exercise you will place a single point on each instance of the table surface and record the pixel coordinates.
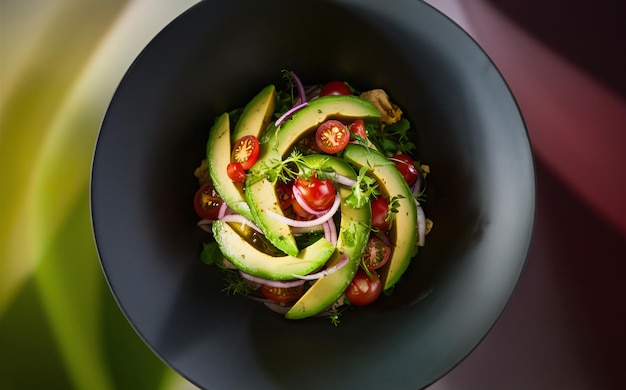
(564, 326)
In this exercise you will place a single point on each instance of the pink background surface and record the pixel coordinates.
(564, 326)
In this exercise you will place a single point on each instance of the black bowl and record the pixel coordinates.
(215, 57)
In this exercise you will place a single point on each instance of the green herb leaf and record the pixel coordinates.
(392, 138)
(211, 254)
(235, 284)
(278, 169)
(394, 204)
(364, 187)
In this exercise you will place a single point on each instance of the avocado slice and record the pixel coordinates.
(255, 262)
(354, 230)
(218, 151)
(257, 114)
(260, 193)
(254, 120)
(391, 183)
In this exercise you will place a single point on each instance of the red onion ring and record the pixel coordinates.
(326, 231)
(222, 210)
(271, 283)
(313, 92)
(289, 113)
(298, 196)
(421, 224)
(343, 180)
(332, 232)
(326, 272)
(299, 86)
(238, 218)
(313, 222)
(205, 224)
(416, 188)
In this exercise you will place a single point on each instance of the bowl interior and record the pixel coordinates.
(215, 57)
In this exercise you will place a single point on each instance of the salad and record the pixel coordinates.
(312, 198)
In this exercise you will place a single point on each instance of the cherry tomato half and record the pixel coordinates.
(318, 194)
(282, 294)
(207, 202)
(332, 136)
(376, 253)
(358, 128)
(236, 172)
(246, 151)
(364, 290)
(335, 88)
(406, 166)
(380, 209)
(300, 212)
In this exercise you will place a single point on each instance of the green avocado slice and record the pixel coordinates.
(217, 158)
(354, 230)
(260, 192)
(257, 114)
(403, 230)
(255, 262)
(254, 120)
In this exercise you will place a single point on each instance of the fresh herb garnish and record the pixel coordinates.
(334, 317)
(235, 284)
(211, 254)
(392, 138)
(277, 169)
(364, 187)
(394, 204)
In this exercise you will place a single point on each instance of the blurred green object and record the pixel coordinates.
(60, 62)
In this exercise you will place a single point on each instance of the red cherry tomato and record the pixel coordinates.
(358, 128)
(300, 212)
(282, 294)
(376, 253)
(246, 151)
(318, 194)
(380, 209)
(364, 290)
(335, 88)
(332, 136)
(406, 166)
(207, 202)
(236, 172)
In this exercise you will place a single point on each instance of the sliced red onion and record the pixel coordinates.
(222, 210)
(343, 180)
(299, 86)
(228, 264)
(326, 231)
(238, 218)
(416, 187)
(313, 92)
(332, 231)
(326, 272)
(289, 113)
(298, 196)
(271, 283)
(313, 222)
(421, 224)
(205, 224)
